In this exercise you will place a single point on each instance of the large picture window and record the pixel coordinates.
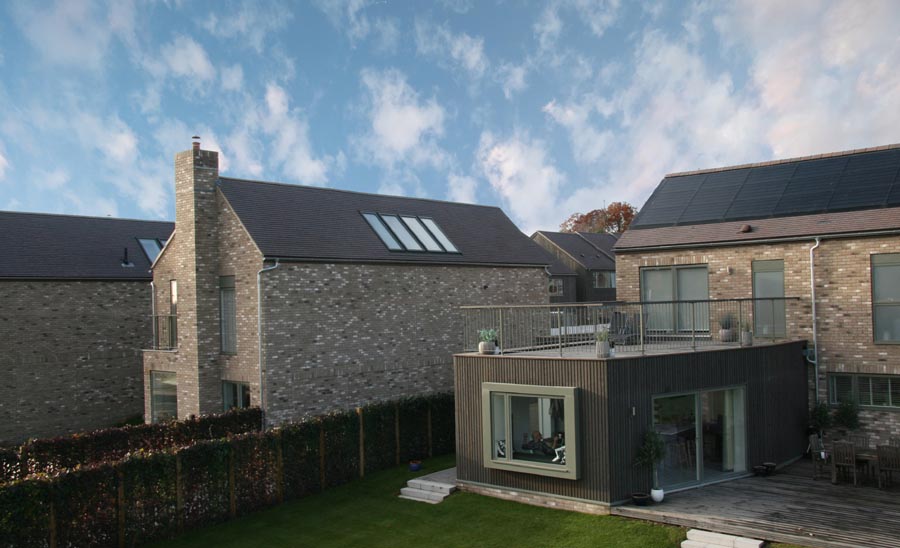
(666, 286)
(604, 279)
(531, 429)
(886, 297)
(163, 396)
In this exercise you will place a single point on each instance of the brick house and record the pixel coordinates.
(763, 230)
(590, 256)
(326, 299)
(74, 295)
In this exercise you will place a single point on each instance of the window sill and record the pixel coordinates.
(553, 471)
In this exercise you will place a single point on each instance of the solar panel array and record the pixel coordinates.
(863, 180)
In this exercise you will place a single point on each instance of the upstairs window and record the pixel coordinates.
(886, 297)
(556, 287)
(227, 313)
(604, 279)
(409, 233)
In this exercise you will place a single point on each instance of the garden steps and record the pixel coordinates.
(697, 538)
(431, 488)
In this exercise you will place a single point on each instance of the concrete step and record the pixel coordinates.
(708, 539)
(422, 495)
(427, 485)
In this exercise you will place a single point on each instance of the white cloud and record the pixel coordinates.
(186, 58)
(519, 170)
(291, 147)
(461, 188)
(403, 127)
(350, 17)
(512, 79)
(68, 32)
(458, 6)
(598, 15)
(387, 34)
(460, 50)
(547, 28)
(250, 22)
(232, 78)
(51, 180)
(4, 163)
(588, 143)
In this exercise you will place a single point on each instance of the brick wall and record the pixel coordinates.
(342, 335)
(70, 355)
(843, 300)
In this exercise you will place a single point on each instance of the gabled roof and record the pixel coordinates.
(842, 181)
(823, 194)
(592, 251)
(45, 246)
(321, 224)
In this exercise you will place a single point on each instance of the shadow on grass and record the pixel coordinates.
(369, 513)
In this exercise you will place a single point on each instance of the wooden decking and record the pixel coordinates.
(787, 507)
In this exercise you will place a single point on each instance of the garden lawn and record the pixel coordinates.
(369, 513)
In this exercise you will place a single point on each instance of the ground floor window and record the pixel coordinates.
(235, 394)
(866, 390)
(163, 396)
(705, 436)
(530, 429)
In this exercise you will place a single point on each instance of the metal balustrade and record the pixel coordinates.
(570, 330)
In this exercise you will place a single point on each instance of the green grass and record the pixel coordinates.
(369, 513)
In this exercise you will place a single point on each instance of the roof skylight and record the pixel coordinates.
(409, 233)
(151, 247)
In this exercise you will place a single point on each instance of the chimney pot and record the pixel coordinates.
(196, 142)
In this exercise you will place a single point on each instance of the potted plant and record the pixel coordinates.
(602, 343)
(726, 323)
(649, 455)
(746, 334)
(488, 338)
(820, 418)
(847, 415)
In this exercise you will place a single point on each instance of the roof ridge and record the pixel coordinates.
(785, 160)
(594, 246)
(97, 217)
(312, 187)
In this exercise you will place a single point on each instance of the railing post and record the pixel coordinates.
(500, 335)
(693, 326)
(772, 319)
(641, 323)
(559, 330)
(740, 326)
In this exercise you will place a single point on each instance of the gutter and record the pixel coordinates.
(262, 390)
(812, 290)
(891, 232)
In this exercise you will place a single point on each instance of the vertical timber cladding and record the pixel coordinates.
(775, 378)
(470, 371)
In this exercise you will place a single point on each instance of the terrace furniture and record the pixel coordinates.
(860, 441)
(894, 442)
(843, 455)
(819, 455)
(888, 462)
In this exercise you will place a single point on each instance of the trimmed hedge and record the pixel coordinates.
(151, 496)
(52, 455)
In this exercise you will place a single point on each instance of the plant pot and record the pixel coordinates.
(640, 499)
(726, 335)
(603, 349)
(657, 495)
(760, 470)
(486, 347)
(415, 465)
(746, 338)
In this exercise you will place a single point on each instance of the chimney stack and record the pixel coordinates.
(196, 142)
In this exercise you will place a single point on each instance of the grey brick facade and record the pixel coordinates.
(70, 355)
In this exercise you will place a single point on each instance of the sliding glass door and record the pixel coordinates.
(705, 436)
(676, 283)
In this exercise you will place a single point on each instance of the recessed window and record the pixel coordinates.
(163, 396)
(768, 283)
(151, 247)
(227, 315)
(556, 287)
(530, 429)
(409, 233)
(604, 279)
(382, 232)
(235, 395)
(866, 390)
(886, 297)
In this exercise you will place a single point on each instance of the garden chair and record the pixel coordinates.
(888, 462)
(843, 455)
(860, 441)
(819, 455)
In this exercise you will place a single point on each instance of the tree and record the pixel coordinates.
(614, 218)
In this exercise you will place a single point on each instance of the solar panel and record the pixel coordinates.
(865, 182)
(714, 196)
(811, 187)
(667, 203)
(755, 199)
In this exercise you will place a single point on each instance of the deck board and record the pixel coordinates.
(787, 507)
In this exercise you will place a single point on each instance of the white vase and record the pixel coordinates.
(657, 495)
(602, 349)
(486, 347)
(746, 338)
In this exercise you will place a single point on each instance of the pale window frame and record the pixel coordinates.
(882, 260)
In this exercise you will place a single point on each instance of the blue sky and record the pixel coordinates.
(543, 108)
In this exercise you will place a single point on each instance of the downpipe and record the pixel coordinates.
(262, 387)
(812, 287)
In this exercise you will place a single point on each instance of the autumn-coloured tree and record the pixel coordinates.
(614, 218)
